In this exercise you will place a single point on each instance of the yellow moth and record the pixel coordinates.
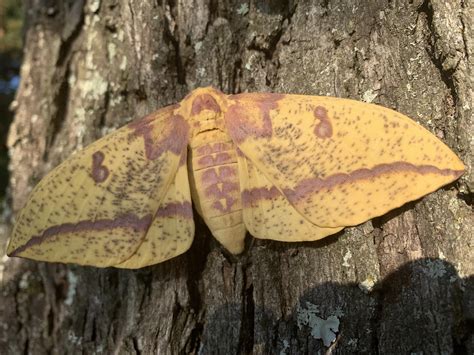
(283, 167)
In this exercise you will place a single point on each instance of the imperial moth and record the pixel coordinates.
(283, 167)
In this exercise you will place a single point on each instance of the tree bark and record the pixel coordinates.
(402, 283)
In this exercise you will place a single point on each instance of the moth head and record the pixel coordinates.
(205, 108)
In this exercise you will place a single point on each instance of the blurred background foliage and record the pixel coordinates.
(11, 41)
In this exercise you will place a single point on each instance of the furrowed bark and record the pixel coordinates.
(401, 283)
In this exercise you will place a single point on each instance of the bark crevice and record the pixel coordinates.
(411, 292)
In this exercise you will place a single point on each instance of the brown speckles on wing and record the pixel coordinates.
(172, 229)
(92, 208)
(339, 162)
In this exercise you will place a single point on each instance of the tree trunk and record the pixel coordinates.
(400, 284)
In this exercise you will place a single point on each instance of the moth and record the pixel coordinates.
(283, 167)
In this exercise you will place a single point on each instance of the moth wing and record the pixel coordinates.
(99, 206)
(267, 212)
(172, 229)
(338, 162)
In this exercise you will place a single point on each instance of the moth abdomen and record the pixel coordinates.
(215, 186)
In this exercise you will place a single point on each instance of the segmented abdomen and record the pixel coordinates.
(214, 179)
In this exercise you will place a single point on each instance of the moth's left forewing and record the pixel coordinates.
(97, 206)
(338, 162)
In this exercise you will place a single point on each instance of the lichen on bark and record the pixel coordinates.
(91, 67)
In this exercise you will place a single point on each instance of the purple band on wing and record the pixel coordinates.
(250, 197)
(128, 220)
(312, 185)
(182, 209)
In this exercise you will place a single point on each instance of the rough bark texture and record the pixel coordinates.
(402, 283)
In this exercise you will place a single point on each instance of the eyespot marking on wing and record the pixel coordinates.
(324, 128)
(100, 172)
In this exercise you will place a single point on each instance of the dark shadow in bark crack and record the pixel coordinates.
(408, 310)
